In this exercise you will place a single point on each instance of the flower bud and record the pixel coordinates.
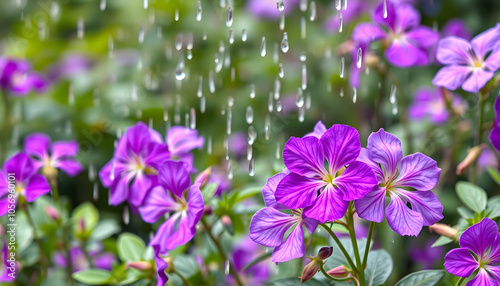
(52, 213)
(140, 265)
(311, 269)
(226, 220)
(207, 210)
(339, 271)
(324, 253)
(471, 158)
(203, 177)
(444, 230)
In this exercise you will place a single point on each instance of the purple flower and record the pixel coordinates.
(28, 183)
(71, 65)
(269, 225)
(430, 103)
(487, 159)
(181, 141)
(495, 132)
(268, 8)
(344, 180)
(5, 265)
(16, 77)
(132, 172)
(59, 154)
(175, 195)
(407, 42)
(468, 64)
(395, 176)
(100, 259)
(219, 177)
(457, 28)
(479, 250)
(427, 256)
(161, 266)
(319, 130)
(245, 252)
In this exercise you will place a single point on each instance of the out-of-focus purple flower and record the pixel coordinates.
(479, 250)
(457, 28)
(407, 42)
(100, 260)
(427, 256)
(487, 159)
(467, 64)
(495, 132)
(269, 225)
(16, 77)
(8, 264)
(245, 252)
(237, 144)
(71, 65)
(219, 177)
(28, 183)
(132, 172)
(181, 141)
(354, 9)
(161, 266)
(344, 180)
(269, 8)
(395, 175)
(58, 154)
(175, 195)
(430, 103)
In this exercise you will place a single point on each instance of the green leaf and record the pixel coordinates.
(242, 195)
(296, 282)
(441, 241)
(472, 196)
(186, 265)
(495, 174)
(493, 207)
(379, 267)
(86, 212)
(104, 229)
(465, 212)
(422, 278)
(209, 190)
(257, 260)
(130, 247)
(93, 276)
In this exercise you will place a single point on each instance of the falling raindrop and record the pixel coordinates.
(189, 44)
(338, 4)
(71, 96)
(270, 103)
(341, 22)
(204, 37)
(249, 115)
(110, 47)
(284, 43)
(227, 266)
(267, 127)
(186, 120)
(312, 8)
(304, 77)
(276, 53)
(341, 92)
(251, 167)
(282, 21)
(359, 59)
(126, 215)
(392, 97)
(222, 4)
(55, 11)
(192, 124)
(280, 5)
(345, 5)
(209, 145)
(189, 55)
(230, 38)
(303, 5)
(244, 35)
(303, 28)
(229, 17)
(277, 88)
(302, 57)
(178, 41)
(308, 101)
(354, 95)
(395, 109)
(91, 172)
(229, 177)
(249, 152)
(229, 120)
(145, 4)
(80, 28)
(281, 72)
(279, 107)
(179, 70)
(199, 92)
(263, 47)
(198, 11)
(41, 29)
(278, 150)
(211, 81)
(302, 112)
(176, 15)
(95, 191)
(252, 135)
(252, 91)
(385, 9)
(202, 104)
(342, 64)
(299, 100)
(141, 35)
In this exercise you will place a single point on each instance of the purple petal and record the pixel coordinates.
(195, 204)
(139, 189)
(457, 28)
(451, 77)
(495, 132)
(404, 53)
(492, 63)
(161, 266)
(494, 253)
(372, 206)
(364, 157)
(304, 156)
(269, 190)
(296, 191)
(366, 33)
(37, 144)
(62, 149)
(137, 137)
(70, 167)
(480, 236)
(105, 174)
(119, 191)
(406, 18)
(402, 219)
(174, 232)
(182, 140)
(454, 51)
(157, 204)
(426, 203)
(292, 247)
(341, 146)
(310, 223)
(378, 14)
(477, 80)
(329, 205)
(482, 279)
(356, 181)
(21, 165)
(174, 177)
(319, 130)
(460, 262)
(4, 206)
(37, 186)
(268, 226)
(486, 41)
(104, 261)
(419, 172)
(423, 36)
(385, 149)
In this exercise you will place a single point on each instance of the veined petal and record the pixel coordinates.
(406, 18)
(494, 271)
(385, 148)
(157, 154)
(269, 190)
(173, 232)
(292, 247)
(404, 53)
(119, 191)
(161, 266)
(494, 253)
(426, 203)
(296, 191)
(310, 223)
(37, 144)
(319, 130)
(174, 177)
(402, 219)
(451, 77)
(480, 236)
(137, 137)
(366, 33)
(268, 226)
(63, 149)
(329, 205)
(37, 186)
(182, 140)
(454, 51)
(423, 36)
(341, 146)
(486, 41)
(304, 156)
(139, 189)
(371, 207)
(195, 204)
(460, 262)
(365, 158)
(157, 204)
(417, 171)
(356, 181)
(492, 63)
(482, 279)
(477, 80)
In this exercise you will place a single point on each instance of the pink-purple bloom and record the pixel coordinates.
(429, 103)
(269, 8)
(244, 253)
(479, 251)
(406, 41)
(396, 176)
(58, 154)
(324, 192)
(28, 183)
(177, 196)
(468, 64)
(17, 77)
(161, 266)
(100, 259)
(495, 132)
(181, 141)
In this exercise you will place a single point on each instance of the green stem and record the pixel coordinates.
(55, 192)
(460, 281)
(368, 242)
(41, 258)
(336, 279)
(87, 255)
(222, 253)
(336, 239)
(6, 126)
(182, 277)
(359, 266)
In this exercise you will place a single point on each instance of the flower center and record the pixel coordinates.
(18, 78)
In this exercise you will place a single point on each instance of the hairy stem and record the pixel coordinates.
(336, 239)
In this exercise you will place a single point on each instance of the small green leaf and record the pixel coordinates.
(493, 207)
(472, 196)
(93, 276)
(465, 212)
(441, 241)
(257, 260)
(422, 278)
(86, 212)
(209, 190)
(130, 247)
(495, 174)
(242, 195)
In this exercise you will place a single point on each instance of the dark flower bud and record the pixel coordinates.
(324, 252)
(311, 269)
(207, 210)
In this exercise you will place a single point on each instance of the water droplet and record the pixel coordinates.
(341, 92)
(338, 4)
(176, 15)
(80, 28)
(284, 43)
(279, 107)
(126, 215)
(303, 28)
(244, 35)
(229, 177)
(342, 65)
(308, 101)
(222, 4)
(95, 191)
(251, 167)
(141, 35)
(252, 91)
(190, 40)
(263, 47)
(186, 120)
(270, 102)
(281, 72)
(192, 124)
(385, 9)
(354, 95)
(179, 40)
(198, 11)
(282, 21)
(345, 5)
(55, 12)
(252, 135)
(179, 70)
(249, 152)
(276, 53)
(267, 127)
(150, 123)
(71, 96)
(341, 22)
(91, 172)
(278, 151)
(359, 59)
(277, 88)
(227, 266)
(229, 121)
(41, 29)
(230, 37)
(302, 57)
(211, 82)
(209, 145)
(312, 8)
(302, 113)
(249, 115)
(202, 104)
(199, 92)
(280, 5)
(304, 77)
(229, 17)
(303, 5)
(392, 97)
(145, 4)
(204, 37)
(299, 100)
(395, 109)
